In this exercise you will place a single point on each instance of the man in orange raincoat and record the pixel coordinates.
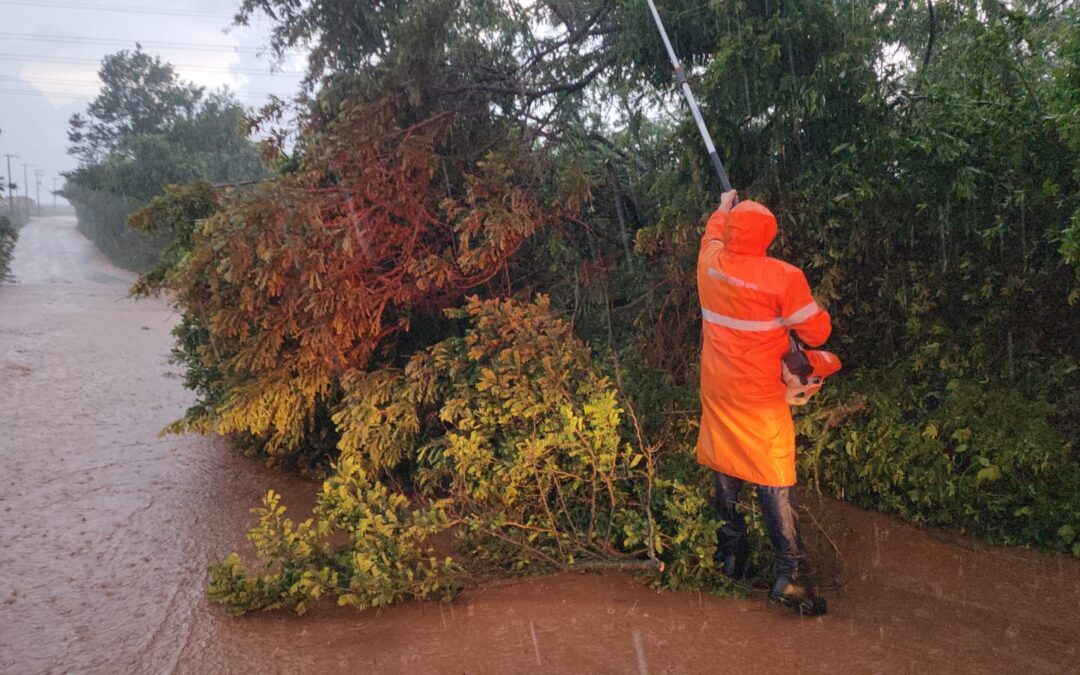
(749, 302)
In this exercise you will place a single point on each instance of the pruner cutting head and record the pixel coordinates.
(804, 372)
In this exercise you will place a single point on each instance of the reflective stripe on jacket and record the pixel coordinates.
(749, 302)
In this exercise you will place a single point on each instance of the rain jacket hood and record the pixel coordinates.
(750, 229)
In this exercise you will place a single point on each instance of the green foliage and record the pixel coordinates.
(524, 437)
(148, 129)
(686, 535)
(512, 431)
(350, 34)
(142, 95)
(363, 546)
(18, 216)
(8, 236)
(972, 457)
(175, 215)
(102, 218)
(928, 185)
(1064, 108)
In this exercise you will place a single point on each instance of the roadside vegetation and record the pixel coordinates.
(11, 221)
(464, 296)
(8, 236)
(148, 129)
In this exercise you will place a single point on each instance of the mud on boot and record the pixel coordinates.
(792, 592)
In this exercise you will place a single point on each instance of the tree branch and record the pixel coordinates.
(573, 35)
(533, 94)
(933, 34)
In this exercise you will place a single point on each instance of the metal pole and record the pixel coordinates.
(10, 181)
(26, 189)
(54, 211)
(37, 177)
(680, 79)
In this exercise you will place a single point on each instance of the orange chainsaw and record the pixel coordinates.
(805, 370)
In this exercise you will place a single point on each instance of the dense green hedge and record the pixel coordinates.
(972, 456)
(103, 216)
(8, 235)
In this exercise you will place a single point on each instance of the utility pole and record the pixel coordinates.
(54, 211)
(10, 183)
(38, 173)
(26, 188)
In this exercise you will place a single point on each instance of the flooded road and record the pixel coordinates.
(106, 527)
(106, 530)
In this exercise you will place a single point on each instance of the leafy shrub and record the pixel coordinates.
(8, 236)
(175, 215)
(514, 433)
(520, 419)
(984, 460)
(102, 218)
(297, 281)
(384, 560)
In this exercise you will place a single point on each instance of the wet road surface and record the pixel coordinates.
(106, 530)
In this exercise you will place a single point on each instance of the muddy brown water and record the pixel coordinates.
(106, 530)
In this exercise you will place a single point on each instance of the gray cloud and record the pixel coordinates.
(42, 81)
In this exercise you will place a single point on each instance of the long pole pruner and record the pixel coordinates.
(680, 79)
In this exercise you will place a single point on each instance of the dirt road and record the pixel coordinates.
(106, 529)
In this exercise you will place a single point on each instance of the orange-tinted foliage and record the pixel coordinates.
(302, 278)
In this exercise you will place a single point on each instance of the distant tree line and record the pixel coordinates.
(148, 129)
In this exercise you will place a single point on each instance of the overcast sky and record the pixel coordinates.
(50, 51)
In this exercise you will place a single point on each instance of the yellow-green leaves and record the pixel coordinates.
(517, 426)
(383, 559)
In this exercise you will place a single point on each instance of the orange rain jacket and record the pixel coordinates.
(748, 303)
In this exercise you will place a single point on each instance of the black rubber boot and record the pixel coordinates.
(789, 591)
(734, 559)
(733, 551)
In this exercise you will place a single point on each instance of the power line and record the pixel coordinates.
(97, 85)
(161, 11)
(31, 92)
(50, 80)
(117, 42)
(97, 62)
(89, 95)
(33, 79)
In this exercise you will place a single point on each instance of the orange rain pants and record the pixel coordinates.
(748, 303)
